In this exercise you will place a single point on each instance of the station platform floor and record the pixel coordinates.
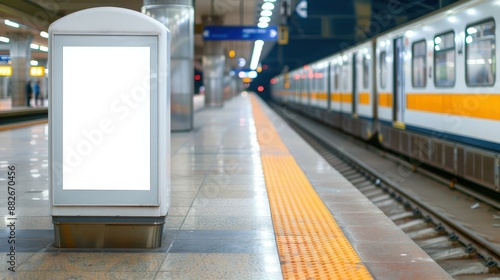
(250, 200)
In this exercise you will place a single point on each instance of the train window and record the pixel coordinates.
(383, 69)
(444, 60)
(337, 76)
(480, 57)
(419, 64)
(366, 71)
(345, 76)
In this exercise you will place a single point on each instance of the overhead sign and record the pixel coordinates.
(37, 71)
(4, 58)
(220, 32)
(6, 70)
(301, 9)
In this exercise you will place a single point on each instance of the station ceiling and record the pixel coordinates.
(37, 15)
(328, 27)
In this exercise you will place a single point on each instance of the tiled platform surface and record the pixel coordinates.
(219, 225)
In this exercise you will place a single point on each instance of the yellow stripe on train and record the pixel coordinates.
(341, 97)
(364, 98)
(385, 99)
(484, 106)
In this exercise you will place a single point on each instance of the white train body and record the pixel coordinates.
(444, 94)
(428, 89)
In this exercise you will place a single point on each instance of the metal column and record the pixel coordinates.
(20, 56)
(213, 67)
(178, 17)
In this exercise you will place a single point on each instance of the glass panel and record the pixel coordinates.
(345, 74)
(419, 64)
(366, 71)
(383, 69)
(480, 54)
(444, 59)
(337, 77)
(92, 139)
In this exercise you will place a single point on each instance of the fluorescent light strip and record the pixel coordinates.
(11, 23)
(267, 6)
(266, 13)
(257, 49)
(4, 39)
(264, 19)
(262, 24)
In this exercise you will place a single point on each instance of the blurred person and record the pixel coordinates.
(29, 93)
(36, 89)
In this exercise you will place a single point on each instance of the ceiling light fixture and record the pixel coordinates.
(11, 23)
(266, 13)
(257, 49)
(264, 19)
(267, 6)
(262, 24)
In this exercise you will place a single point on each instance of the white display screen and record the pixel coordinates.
(106, 142)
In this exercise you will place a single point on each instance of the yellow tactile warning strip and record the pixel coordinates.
(310, 243)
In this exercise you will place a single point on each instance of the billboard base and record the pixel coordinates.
(108, 232)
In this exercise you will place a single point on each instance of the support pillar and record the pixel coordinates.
(20, 56)
(234, 85)
(213, 67)
(178, 17)
(5, 88)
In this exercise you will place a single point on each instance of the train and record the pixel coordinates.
(426, 90)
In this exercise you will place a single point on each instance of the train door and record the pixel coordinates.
(354, 85)
(345, 84)
(303, 90)
(399, 81)
(306, 87)
(297, 87)
(329, 70)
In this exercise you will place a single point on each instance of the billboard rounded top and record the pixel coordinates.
(107, 20)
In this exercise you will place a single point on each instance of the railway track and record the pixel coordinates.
(454, 244)
(22, 117)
